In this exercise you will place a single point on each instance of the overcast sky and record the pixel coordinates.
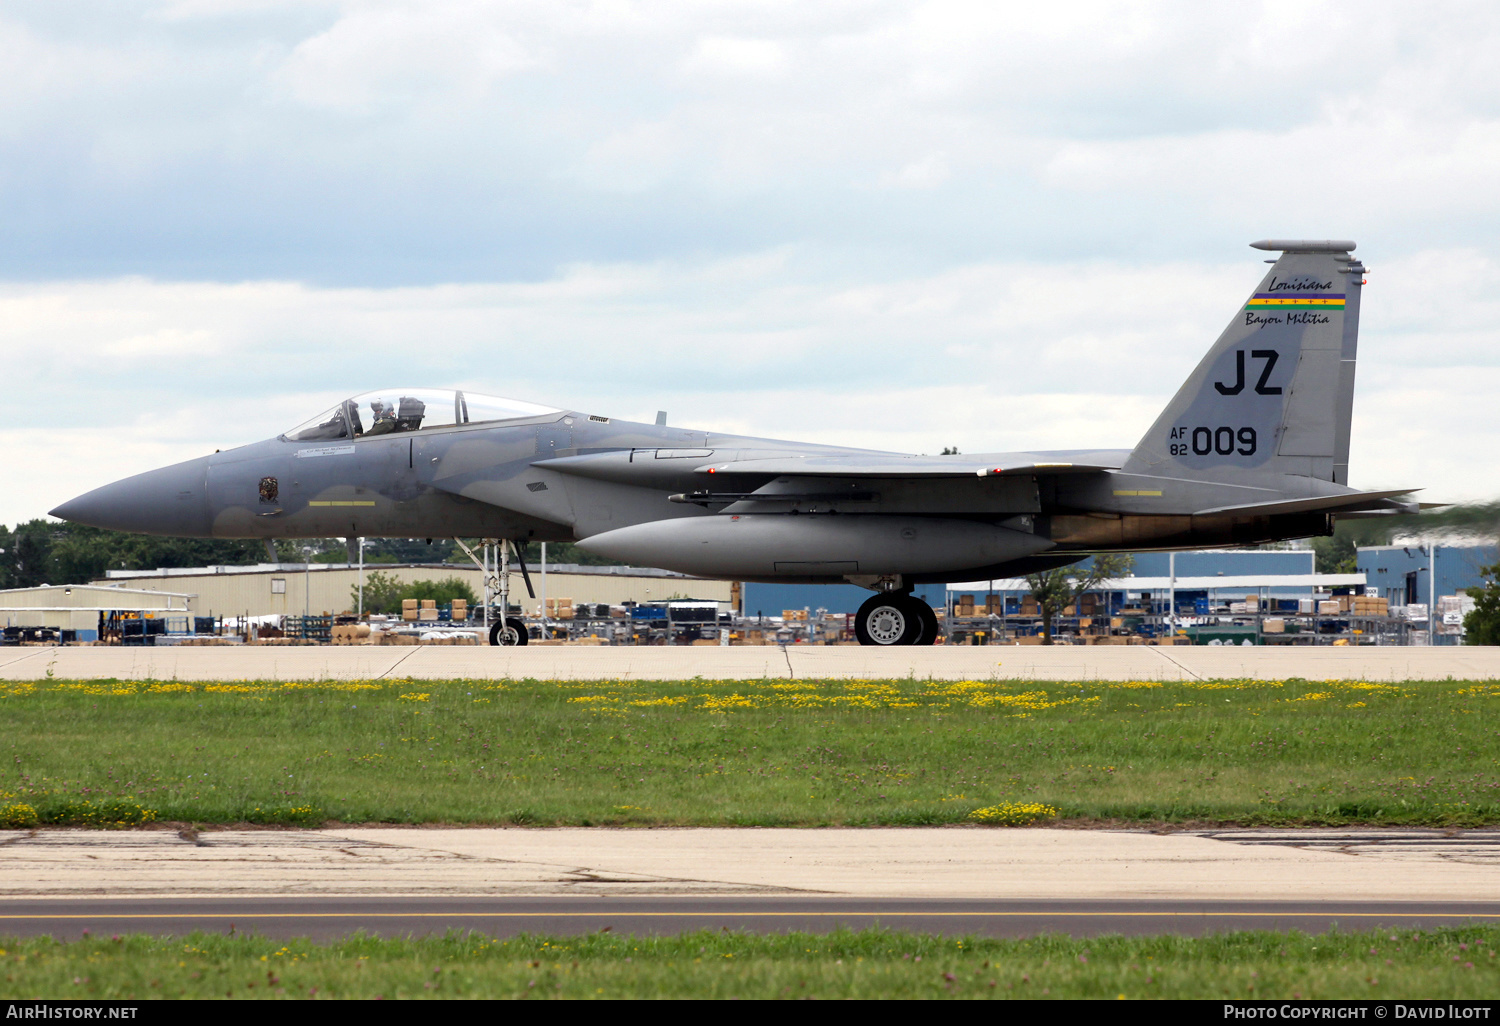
(900, 225)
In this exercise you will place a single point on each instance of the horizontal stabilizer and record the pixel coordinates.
(1348, 502)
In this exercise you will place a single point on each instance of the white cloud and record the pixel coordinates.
(369, 141)
(383, 53)
(894, 223)
(755, 58)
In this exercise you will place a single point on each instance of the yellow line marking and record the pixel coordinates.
(1137, 493)
(353, 502)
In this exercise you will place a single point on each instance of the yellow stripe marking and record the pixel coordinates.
(1158, 494)
(342, 502)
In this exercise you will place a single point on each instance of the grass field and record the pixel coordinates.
(749, 753)
(1451, 963)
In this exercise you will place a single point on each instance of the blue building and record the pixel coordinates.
(771, 599)
(1402, 573)
(1229, 562)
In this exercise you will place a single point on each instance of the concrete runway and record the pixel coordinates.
(955, 880)
(752, 662)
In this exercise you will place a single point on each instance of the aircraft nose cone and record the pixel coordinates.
(170, 501)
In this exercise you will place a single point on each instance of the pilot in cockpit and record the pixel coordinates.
(382, 418)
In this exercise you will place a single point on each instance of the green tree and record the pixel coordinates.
(1056, 589)
(1482, 623)
(41, 551)
(384, 592)
(1336, 553)
(563, 552)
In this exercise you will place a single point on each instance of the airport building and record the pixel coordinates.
(1403, 574)
(188, 599)
(76, 612)
(1291, 569)
(1207, 596)
(297, 589)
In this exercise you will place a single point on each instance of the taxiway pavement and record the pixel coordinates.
(752, 662)
(968, 880)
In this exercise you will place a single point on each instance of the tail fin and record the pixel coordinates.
(1276, 392)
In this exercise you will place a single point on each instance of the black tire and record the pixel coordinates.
(515, 632)
(930, 628)
(889, 619)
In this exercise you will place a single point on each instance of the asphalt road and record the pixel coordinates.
(323, 918)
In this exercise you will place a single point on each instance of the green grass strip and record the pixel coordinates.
(1452, 963)
(743, 753)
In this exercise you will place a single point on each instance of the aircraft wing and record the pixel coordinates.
(875, 465)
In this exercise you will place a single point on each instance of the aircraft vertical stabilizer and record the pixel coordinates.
(1276, 392)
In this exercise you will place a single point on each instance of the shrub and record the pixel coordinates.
(1013, 813)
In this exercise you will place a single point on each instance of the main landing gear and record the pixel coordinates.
(511, 632)
(895, 618)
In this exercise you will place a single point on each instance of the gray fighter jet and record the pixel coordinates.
(1253, 448)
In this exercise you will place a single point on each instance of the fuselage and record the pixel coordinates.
(569, 476)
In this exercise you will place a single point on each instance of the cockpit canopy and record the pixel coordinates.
(410, 409)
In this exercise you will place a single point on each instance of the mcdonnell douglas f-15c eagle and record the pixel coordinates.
(1253, 448)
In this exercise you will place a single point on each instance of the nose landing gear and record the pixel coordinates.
(894, 618)
(511, 632)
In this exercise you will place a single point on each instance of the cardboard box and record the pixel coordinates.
(1328, 607)
(1273, 625)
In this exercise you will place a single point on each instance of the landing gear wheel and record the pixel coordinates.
(930, 629)
(890, 619)
(511, 632)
